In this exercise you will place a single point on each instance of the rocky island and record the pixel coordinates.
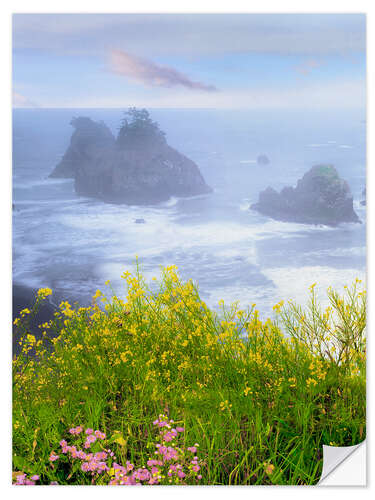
(263, 160)
(138, 167)
(363, 202)
(320, 197)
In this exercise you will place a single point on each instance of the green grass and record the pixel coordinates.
(260, 397)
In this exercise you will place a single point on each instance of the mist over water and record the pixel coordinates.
(74, 244)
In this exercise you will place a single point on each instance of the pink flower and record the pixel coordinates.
(193, 449)
(21, 478)
(153, 462)
(100, 455)
(180, 429)
(85, 467)
(199, 477)
(142, 474)
(53, 456)
(168, 436)
(102, 466)
(196, 468)
(63, 443)
(89, 431)
(35, 477)
(181, 474)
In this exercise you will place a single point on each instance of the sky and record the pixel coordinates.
(229, 61)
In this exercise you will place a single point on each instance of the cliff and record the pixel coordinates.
(89, 142)
(139, 167)
(320, 197)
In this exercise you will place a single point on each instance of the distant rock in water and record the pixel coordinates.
(90, 142)
(363, 202)
(320, 197)
(263, 160)
(138, 167)
(140, 221)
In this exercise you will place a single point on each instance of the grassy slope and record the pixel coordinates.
(251, 396)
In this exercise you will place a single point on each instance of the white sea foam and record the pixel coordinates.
(244, 206)
(171, 202)
(31, 184)
(340, 252)
(294, 282)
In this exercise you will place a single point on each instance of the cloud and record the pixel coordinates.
(192, 34)
(151, 74)
(20, 101)
(307, 67)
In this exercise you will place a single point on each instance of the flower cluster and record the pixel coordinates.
(173, 464)
(21, 479)
(93, 461)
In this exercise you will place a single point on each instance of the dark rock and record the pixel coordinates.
(363, 202)
(320, 197)
(138, 168)
(140, 221)
(263, 160)
(90, 142)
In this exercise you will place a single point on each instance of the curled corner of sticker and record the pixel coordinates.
(344, 465)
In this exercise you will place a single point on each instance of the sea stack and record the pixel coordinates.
(320, 197)
(263, 160)
(136, 168)
(90, 141)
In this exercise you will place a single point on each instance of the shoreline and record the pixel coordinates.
(24, 297)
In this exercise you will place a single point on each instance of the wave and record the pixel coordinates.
(293, 282)
(40, 182)
(172, 202)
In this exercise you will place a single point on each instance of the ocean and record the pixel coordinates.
(74, 244)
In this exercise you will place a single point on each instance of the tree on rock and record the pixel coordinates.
(137, 127)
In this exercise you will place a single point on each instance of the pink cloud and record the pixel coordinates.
(20, 101)
(308, 66)
(151, 74)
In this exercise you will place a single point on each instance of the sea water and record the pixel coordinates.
(73, 244)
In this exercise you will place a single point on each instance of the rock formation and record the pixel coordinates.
(320, 197)
(364, 201)
(263, 160)
(139, 167)
(90, 142)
